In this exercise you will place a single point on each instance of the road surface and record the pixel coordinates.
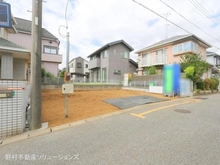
(177, 132)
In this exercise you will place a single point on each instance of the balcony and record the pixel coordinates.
(95, 63)
(156, 60)
(51, 57)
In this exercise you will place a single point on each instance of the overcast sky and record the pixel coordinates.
(94, 23)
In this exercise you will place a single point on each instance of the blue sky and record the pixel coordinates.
(94, 23)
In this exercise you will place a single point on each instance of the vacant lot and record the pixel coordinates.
(82, 104)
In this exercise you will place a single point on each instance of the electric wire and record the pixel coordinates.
(166, 19)
(189, 21)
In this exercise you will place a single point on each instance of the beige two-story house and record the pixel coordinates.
(169, 51)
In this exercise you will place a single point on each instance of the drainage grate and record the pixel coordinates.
(182, 111)
(201, 98)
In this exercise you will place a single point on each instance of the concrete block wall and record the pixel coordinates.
(12, 110)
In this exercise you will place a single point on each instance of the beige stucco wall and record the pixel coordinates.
(171, 57)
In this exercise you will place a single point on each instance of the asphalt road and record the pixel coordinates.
(157, 134)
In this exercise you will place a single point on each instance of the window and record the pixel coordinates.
(93, 57)
(104, 74)
(78, 65)
(86, 65)
(117, 72)
(161, 56)
(104, 54)
(50, 49)
(114, 52)
(177, 48)
(185, 47)
(146, 60)
(124, 54)
(98, 75)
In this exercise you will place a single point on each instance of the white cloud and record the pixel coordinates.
(105, 21)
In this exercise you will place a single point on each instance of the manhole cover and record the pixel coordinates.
(201, 98)
(182, 111)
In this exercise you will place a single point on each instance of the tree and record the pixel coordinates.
(61, 74)
(44, 73)
(190, 62)
(189, 71)
(150, 70)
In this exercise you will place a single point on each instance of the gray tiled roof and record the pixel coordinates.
(110, 44)
(9, 44)
(170, 40)
(25, 26)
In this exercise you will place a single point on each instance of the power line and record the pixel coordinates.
(210, 15)
(189, 20)
(203, 11)
(161, 16)
(165, 18)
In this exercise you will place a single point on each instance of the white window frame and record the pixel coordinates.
(180, 48)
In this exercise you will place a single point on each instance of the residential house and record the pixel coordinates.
(50, 58)
(78, 68)
(169, 51)
(110, 62)
(14, 61)
(214, 60)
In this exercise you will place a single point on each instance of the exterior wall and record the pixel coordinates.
(79, 70)
(211, 60)
(78, 73)
(112, 63)
(116, 62)
(21, 39)
(50, 67)
(19, 68)
(51, 60)
(171, 57)
(6, 66)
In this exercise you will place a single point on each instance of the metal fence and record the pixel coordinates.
(60, 81)
(52, 81)
(144, 81)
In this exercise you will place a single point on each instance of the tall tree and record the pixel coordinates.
(196, 64)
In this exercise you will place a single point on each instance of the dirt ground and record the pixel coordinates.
(82, 104)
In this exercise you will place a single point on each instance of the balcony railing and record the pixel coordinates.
(95, 63)
(52, 57)
(156, 60)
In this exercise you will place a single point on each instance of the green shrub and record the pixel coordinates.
(207, 82)
(212, 84)
(215, 84)
(200, 85)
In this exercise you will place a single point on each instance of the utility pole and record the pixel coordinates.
(36, 33)
(67, 69)
(67, 50)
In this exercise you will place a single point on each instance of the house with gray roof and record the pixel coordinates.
(214, 60)
(110, 62)
(169, 51)
(78, 68)
(50, 44)
(14, 60)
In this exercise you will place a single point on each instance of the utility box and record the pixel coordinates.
(67, 88)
